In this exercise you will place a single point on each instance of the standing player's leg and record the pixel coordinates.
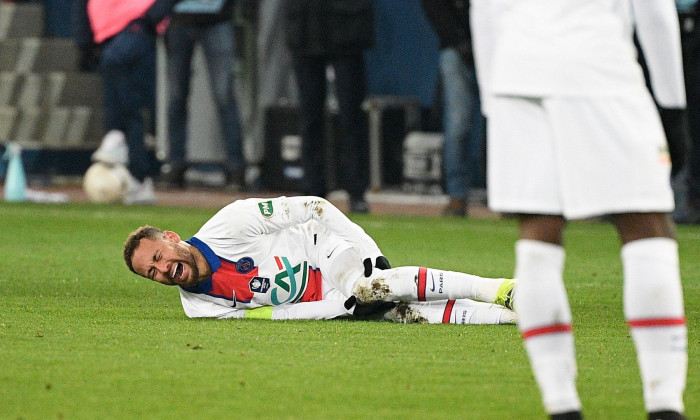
(652, 293)
(525, 177)
(544, 316)
(653, 307)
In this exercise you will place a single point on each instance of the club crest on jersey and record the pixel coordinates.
(259, 284)
(266, 208)
(290, 283)
(245, 265)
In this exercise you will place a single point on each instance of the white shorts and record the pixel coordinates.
(577, 157)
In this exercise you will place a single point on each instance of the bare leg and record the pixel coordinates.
(634, 226)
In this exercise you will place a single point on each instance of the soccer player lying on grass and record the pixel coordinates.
(302, 258)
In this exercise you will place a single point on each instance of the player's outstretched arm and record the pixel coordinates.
(657, 28)
(321, 309)
(202, 306)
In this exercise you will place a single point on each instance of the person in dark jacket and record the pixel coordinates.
(118, 37)
(322, 33)
(210, 25)
(463, 124)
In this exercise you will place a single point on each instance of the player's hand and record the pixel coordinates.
(675, 123)
(381, 263)
(365, 310)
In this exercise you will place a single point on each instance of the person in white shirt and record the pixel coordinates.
(573, 132)
(302, 258)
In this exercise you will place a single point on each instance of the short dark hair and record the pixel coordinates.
(134, 239)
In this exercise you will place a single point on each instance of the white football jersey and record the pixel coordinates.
(273, 252)
(527, 48)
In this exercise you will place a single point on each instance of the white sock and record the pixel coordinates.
(461, 311)
(443, 284)
(544, 320)
(425, 284)
(554, 366)
(653, 306)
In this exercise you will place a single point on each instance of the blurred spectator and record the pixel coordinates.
(57, 22)
(273, 79)
(463, 124)
(210, 25)
(687, 186)
(126, 32)
(334, 33)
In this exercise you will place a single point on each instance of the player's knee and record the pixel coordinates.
(635, 226)
(361, 288)
(371, 289)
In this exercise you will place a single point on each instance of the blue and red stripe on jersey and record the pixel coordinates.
(227, 283)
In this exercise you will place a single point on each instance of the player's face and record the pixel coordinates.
(167, 261)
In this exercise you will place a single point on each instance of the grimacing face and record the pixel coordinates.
(168, 261)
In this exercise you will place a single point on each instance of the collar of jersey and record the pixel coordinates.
(212, 260)
(209, 255)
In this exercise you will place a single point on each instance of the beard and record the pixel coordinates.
(188, 260)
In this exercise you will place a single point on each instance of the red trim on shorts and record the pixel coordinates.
(448, 311)
(658, 322)
(550, 329)
(422, 275)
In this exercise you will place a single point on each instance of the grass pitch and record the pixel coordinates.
(82, 338)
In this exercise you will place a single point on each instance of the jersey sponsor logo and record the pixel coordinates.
(288, 286)
(259, 284)
(245, 265)
(266, 208)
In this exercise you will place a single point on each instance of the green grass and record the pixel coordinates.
(82, 338)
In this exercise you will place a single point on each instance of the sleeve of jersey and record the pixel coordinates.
(321, 309)
(657, 27)
(481, 21)
(245, 219)
(303, 209)
(197, 307)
